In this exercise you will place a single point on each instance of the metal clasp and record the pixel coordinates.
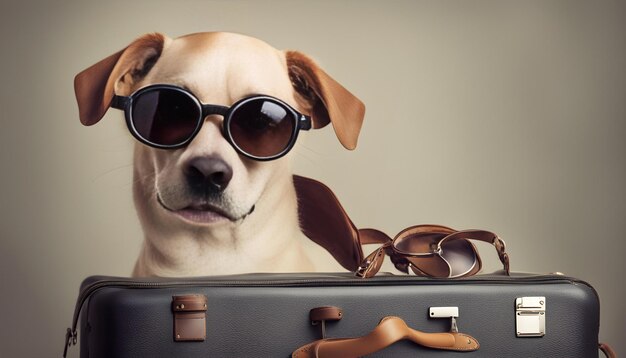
(320, 315)
(530, 316)
(71, 337)
(446, 312)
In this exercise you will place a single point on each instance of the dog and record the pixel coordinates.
(207, 203)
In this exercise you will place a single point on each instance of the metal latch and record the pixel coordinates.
(446, 312)
(530, 316)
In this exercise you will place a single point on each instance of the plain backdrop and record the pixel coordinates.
(502, 115)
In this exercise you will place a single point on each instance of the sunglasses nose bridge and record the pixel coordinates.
(213, 109)
(209, 110)
(209, 136)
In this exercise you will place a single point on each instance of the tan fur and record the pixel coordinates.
(219, 68)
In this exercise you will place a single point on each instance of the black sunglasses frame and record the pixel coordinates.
(125, 103)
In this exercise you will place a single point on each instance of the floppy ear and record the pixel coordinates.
(326, 98)
(95, 86)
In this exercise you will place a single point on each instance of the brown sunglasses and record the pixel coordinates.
(430, 250)
(427, 250)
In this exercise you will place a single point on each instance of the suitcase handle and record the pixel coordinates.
(390, 330)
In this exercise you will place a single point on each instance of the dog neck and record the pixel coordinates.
(267, 240)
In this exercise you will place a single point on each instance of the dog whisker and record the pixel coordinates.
(111, 171)
(309, 149)
(310, 155)
(139, 179)
(152, 191)
(147, 176)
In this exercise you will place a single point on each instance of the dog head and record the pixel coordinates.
(207, 185)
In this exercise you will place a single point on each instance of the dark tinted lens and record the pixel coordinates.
(262, 128)
(165, 116)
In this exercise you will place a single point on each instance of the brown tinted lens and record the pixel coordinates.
(262, 128)
(420, 243)
(165, 116)
(460, 255)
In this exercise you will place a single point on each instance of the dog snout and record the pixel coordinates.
(210, 174)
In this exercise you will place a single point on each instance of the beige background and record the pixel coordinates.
(502, 115)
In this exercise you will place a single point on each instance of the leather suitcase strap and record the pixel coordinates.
(189, 317)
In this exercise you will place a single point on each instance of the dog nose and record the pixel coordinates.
(213, 173)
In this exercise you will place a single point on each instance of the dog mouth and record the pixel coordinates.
(202, 212)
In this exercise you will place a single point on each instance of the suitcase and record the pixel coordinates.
(275, 315)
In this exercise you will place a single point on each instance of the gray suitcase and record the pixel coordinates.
(269, 315)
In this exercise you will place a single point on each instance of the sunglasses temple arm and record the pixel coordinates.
(119, 102)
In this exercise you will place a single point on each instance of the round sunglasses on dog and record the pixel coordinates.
(433, 251)
(168, 117)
